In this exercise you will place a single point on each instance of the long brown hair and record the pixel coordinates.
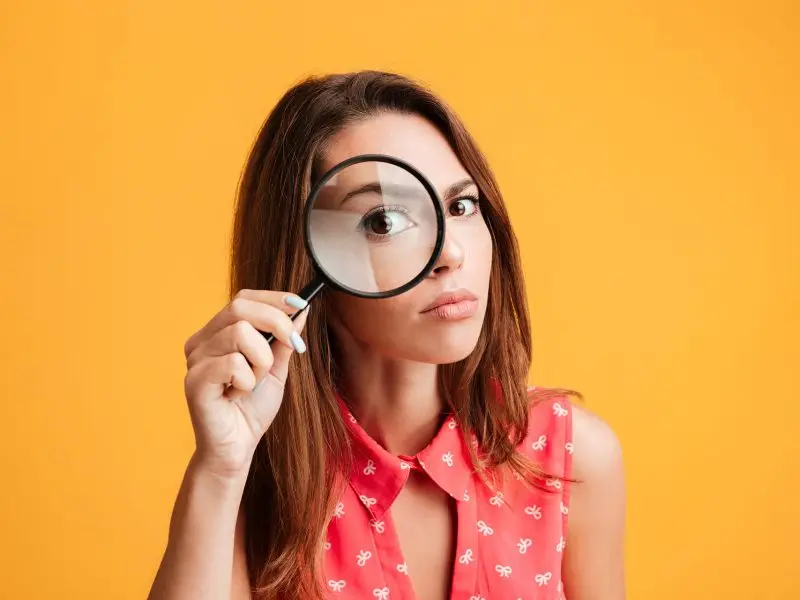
(294, 478)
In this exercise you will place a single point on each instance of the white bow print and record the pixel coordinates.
(524, 544)
(448, 459)
(534, 511)
(564, 509)
(504, 571)
(339, 511)
(561, 545)
(543, 578)
(352, 418)
(404, 465)
(476, 598)
(327, 545)
(559, 410)
(553, 482)
(381, 593)
(379, 526)
(452, 424)
(569, 447)
(466, 496)
(497, 499)
(337, 586)
(363, 557)
(540, 443)
(465, 558)
(370, 468)
(484, 528)
(368, 501)
(403, 568)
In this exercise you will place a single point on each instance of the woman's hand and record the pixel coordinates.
(226, 360)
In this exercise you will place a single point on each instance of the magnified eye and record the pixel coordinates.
(463, 207)
(385, 221)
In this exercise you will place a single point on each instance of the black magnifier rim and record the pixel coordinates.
(392, 160)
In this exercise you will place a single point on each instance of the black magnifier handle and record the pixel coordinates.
(307, 293)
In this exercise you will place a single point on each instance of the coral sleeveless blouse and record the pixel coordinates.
(510, 542)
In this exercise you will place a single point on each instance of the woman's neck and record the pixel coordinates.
(396, 402)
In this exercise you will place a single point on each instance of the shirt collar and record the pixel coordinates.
(377, 476)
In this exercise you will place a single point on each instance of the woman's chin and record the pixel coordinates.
(445, 350)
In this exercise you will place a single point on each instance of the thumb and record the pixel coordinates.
(282, 353)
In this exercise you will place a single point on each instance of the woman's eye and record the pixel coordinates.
(384, 223)
(463, 207)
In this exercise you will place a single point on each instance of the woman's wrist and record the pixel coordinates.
(206, 474)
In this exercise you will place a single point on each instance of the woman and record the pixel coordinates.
(402, 456)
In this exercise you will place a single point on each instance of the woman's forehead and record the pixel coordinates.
(408, 137)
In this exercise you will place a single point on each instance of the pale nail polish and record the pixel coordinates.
(295, 302)
(297, 342)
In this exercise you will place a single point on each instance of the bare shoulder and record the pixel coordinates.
(597, 450)
(593, 565)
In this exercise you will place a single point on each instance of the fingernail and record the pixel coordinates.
(297, 342)
(255, 387)
(295, 302)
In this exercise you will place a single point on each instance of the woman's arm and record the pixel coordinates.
(234, 387)
(593, 557)
(205, 558)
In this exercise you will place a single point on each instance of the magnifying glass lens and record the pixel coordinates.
(372, 227)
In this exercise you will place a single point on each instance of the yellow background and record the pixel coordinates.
(652, 147)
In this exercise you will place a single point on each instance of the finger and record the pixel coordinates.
(280, 364)
(263, 317)
(216, 373)
(235, 310)
(239, 337)
(287, 302)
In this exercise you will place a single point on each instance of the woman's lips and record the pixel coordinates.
(454, 311)
(452, 306)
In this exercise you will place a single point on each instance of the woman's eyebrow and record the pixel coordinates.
(397, 190)
(405, 190)
(458, 187)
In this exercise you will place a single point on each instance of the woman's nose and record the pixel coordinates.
(451, 258)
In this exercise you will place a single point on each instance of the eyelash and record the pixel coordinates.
(474, 199)
(382, 209)
(400, 209)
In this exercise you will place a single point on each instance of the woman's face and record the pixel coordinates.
(439, 320)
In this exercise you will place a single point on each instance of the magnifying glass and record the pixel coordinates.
(374, 228)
